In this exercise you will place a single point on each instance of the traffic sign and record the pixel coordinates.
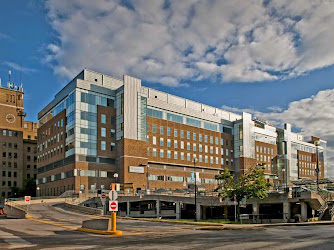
(113, 195)
(103, 196)
(113, 206)
(27, 199)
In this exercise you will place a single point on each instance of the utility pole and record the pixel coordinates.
(195, 160)
(317, 170)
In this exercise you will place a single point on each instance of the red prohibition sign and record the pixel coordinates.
(113, 205)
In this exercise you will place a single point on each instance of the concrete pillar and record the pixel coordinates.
(256, 218)
(157, 206)
(204, 212)
(225, 212)
(198, 212)
(178, 210)
(128, 208)
(286, 211)
(303, 208)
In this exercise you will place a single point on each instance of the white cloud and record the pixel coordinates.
(314, 116)
(176, 41)
(18, 67)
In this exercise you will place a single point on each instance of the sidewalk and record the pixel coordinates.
(219, 226)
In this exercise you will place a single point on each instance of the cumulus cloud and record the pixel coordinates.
(171, 42)
(314, 116)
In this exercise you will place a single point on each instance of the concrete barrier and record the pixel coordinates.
(88, 210)
(14, 212)
(38, 201)
(97, 224)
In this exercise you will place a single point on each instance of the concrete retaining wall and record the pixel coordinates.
(14, 212)
(87, 210)
(97, 224)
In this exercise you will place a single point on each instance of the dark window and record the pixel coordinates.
(4, 145)
(3, 173)
(28, 158)
(15, 145)
(9, 174)
(28, 166)
(28, 148)
(28, 176)
(3, 154)
(15, 175)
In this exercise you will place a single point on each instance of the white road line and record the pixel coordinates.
(14, 241)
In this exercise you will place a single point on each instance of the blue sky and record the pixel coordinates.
(271, 58)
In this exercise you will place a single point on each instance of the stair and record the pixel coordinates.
(327, 215)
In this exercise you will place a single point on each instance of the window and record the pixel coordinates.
(10, 133)
(221, 141)
(103, 118)
(154, 140)
(217, 140)
(194, 147)
(205, 138)
(188, 145)
(4, 132)
(206, 148)
(182, 155)
(226, 152)
(182, 144)
(161, 141)
(200, 158)
(103, 132)
(4, 145)
(200, 147)
(175, 155)
(154, 153)
(112, 146)
(226, 161)
(188, 135)
(188, 157)
(217, 150)
(103, 145)
(211, 139)
(194, 136)
(206, 159)
(168, 154)
(161, 153)
(169, 143)
(175, 132)
(257, 148)
(113, 133)
(175, 143)
(182, 134)
(154, 128)
(200, 137)
(161, 130)
(168, 131)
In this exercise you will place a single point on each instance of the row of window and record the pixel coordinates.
(104, 146)
(181, 155)
(9, 174)
(265, 150)
(6, 145)
(306, 165)
(304, 157)
(52, 129)
(53, 152)
(189, 135)
(104, 119)
(192, 146)
(104, 133)
(9, 184)
(180, 179)
(6, 132)
(308, 172)
(55, 139)
(263, 158)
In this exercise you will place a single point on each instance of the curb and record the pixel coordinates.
(115, 233)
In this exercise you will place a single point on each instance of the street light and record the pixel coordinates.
(317, 170)
(38, 191)
(195, 160)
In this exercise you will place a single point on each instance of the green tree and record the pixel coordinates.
(252, 184)
(29, 189)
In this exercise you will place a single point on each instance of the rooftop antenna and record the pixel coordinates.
(9, 74)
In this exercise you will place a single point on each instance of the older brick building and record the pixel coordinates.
(18, 141)
(98, 126)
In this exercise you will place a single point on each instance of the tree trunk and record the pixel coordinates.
(238, 211)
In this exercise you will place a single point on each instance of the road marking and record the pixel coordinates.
(51, 223)
(14, 241)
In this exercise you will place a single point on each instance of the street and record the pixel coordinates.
(53, 227)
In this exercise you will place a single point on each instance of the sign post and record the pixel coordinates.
(27, 200)
(103, 200)
(113, 207)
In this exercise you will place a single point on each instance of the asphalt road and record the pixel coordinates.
(34, 234)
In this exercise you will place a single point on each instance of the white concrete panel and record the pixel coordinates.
(176, 100)
(132, 87)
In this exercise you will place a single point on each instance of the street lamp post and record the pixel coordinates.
(38, 194)
(195, 160)
(317, 170)
(148, 182)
